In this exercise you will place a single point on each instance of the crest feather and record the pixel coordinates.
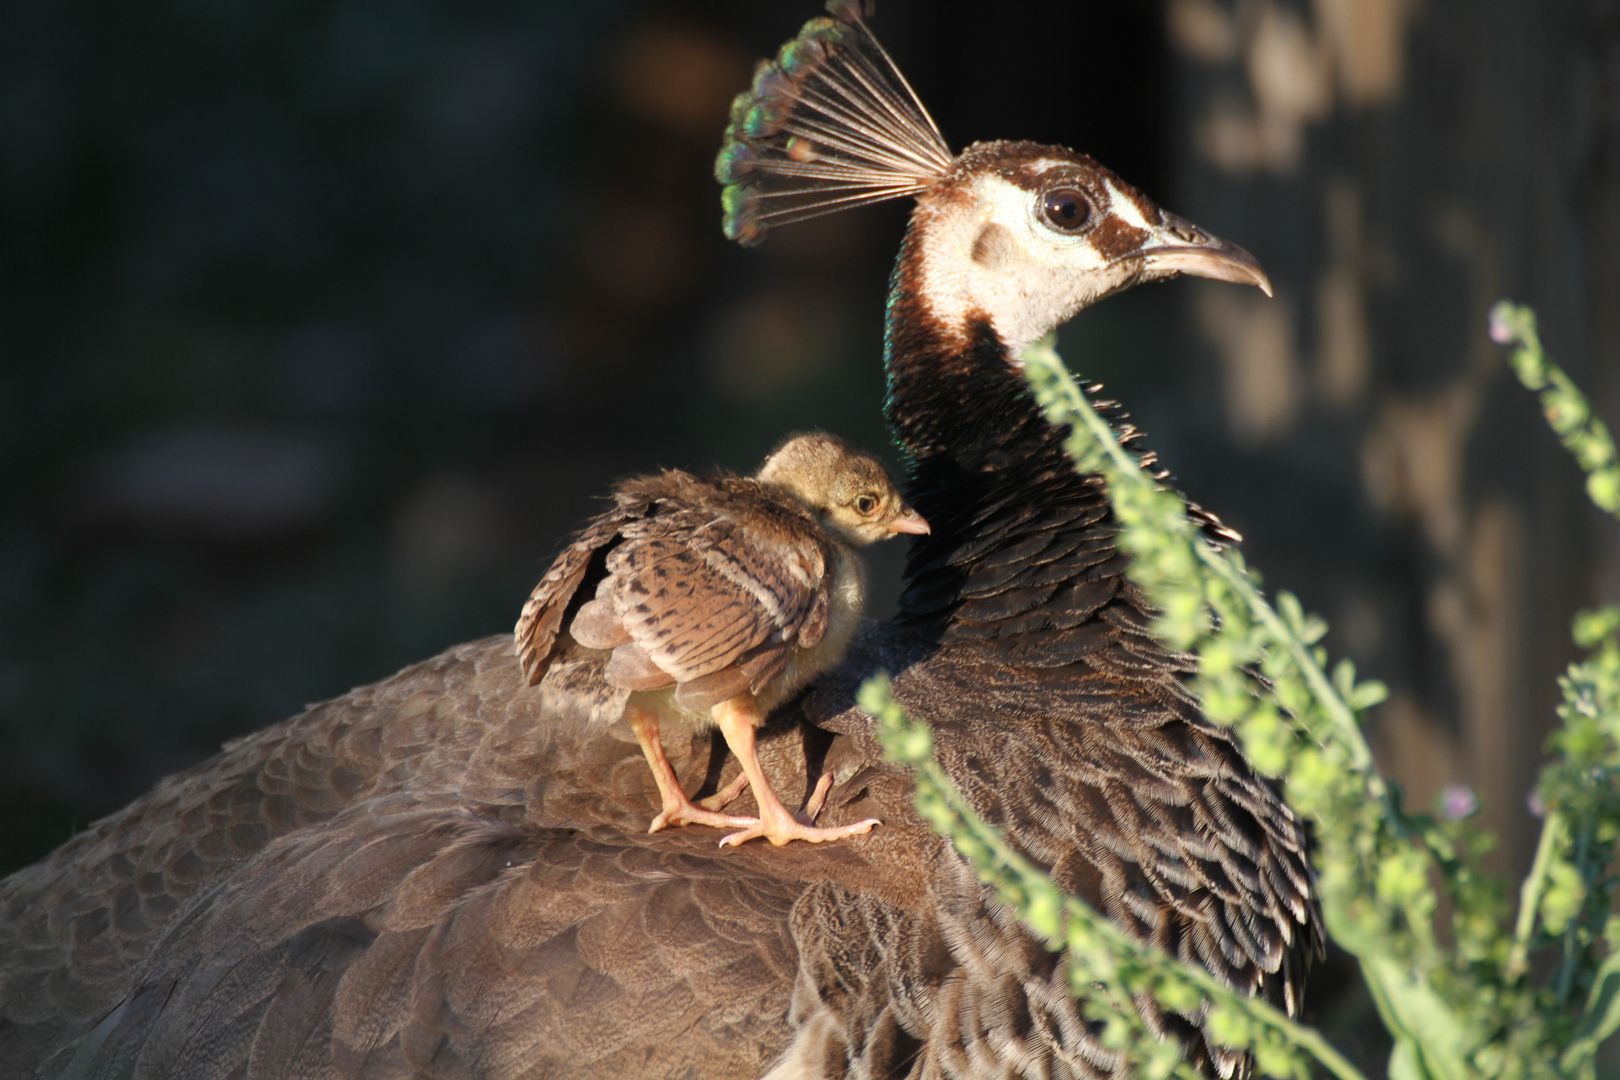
(829, 124)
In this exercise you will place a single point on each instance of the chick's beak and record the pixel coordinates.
(910, 522)
(1179, 246)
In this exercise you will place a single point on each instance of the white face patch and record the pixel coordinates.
(1028, 278)
(1124, 207)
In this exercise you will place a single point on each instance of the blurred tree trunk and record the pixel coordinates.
(1397, 166)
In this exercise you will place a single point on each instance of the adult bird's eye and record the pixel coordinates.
(866, 504)
(1067, 209)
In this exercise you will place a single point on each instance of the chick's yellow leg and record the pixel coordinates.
(677, 809)
(723, 798)
(737, 718)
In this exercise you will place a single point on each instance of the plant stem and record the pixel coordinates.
(1569, 961)
(1530, 894)
(1336, 708)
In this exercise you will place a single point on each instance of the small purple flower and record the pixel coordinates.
(1534, 804)
(1501, 331)
(1457, 801)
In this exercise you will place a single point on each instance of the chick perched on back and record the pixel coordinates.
(715, 600)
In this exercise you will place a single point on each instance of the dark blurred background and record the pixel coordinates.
(322, 323)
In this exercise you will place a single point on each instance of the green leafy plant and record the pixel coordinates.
(1458, 999)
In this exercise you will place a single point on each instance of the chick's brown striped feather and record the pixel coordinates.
(704, 584)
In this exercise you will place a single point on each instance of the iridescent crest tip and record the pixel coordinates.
(829, 124)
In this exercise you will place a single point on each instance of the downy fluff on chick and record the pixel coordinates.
(707, 602)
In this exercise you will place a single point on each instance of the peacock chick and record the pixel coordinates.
(706, 602)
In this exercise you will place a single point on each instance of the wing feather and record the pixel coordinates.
(535, 636)
(707, 588)
(698, 597)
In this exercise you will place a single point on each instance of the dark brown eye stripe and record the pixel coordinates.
(1114, 237)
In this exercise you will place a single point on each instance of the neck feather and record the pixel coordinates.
(953, 384)
(1021, 548)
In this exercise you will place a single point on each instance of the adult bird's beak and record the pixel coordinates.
(1180, 247)
(910, 522)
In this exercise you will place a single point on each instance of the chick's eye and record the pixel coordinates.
(866, 504)
(1066, 209)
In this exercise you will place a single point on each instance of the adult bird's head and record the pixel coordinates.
(1017, 234)
(1026, 235)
